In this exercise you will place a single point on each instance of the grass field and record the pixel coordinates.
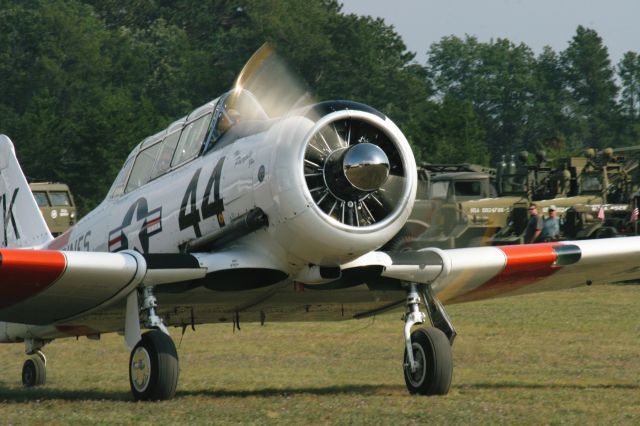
(570, 357)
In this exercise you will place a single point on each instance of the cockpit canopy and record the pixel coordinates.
(187, 138)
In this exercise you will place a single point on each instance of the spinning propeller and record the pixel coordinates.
(353, 164)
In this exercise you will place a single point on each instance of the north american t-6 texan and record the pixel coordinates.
(245, 210)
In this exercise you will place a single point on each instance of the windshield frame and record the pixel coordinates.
(223, 120)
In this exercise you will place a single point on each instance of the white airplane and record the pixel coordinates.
(237, 214)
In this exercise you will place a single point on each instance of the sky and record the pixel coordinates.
(537, 23)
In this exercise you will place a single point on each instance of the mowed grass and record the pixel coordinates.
(570, 357)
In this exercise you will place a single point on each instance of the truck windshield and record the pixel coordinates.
(468, 188)
(41, 198)
(439, 190)
(59, 198)
(590, 182)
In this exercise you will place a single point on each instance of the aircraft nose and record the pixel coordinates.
(365, 166)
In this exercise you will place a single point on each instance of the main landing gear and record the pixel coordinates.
(153, 367)
(428, 360)
(153, 364)
(34, 369)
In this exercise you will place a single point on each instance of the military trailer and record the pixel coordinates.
(56, 205)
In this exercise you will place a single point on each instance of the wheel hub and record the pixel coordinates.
(28, 375)
(140, 369)
(417, 377)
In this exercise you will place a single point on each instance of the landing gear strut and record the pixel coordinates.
(428, 360)
(153, 364)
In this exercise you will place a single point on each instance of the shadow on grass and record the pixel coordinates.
(516, 385)
(45, 393)
(24, 395)
(279, 392)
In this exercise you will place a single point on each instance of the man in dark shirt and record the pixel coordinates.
(534, 226)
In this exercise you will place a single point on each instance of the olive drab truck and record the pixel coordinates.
(474, 220)
(579, 187)
(610, 182)
(56, 205)
(442, 185)
(592, 195)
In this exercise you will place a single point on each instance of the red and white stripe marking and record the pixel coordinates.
(23, 275)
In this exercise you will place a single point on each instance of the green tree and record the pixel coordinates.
(589, 76)
(497, 79)
(629, 72)
(68, 104)
(547, 123)
(456, 134)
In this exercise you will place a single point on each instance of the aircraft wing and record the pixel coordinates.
(462, 275)
(44, 287)
(47, 286)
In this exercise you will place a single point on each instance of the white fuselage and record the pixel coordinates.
(261, 170)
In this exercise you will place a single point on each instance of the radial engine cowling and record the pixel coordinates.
(344, 182)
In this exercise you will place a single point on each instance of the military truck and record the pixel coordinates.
(56, 205)
(474, 220)
(443, 184)
(607, 184)
(502, 218)
(591, 194)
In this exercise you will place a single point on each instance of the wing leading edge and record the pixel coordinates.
(486, 272)
(42, 287)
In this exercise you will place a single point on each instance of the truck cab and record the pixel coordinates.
(56, 205)
(441, 190)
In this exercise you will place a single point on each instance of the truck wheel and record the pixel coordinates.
(399, 243)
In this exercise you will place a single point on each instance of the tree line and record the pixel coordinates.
(83, 81)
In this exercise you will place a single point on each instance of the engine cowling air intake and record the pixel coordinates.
(354, 169)
(344, 183)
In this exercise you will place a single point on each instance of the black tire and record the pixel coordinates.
(153, 367)
(432, 352)
(34, 372)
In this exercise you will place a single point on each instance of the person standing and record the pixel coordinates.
(534, 226)
(551, 230)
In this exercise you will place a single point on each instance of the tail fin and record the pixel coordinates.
(22, 224)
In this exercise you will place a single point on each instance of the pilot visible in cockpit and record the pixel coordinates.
(229, 118)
